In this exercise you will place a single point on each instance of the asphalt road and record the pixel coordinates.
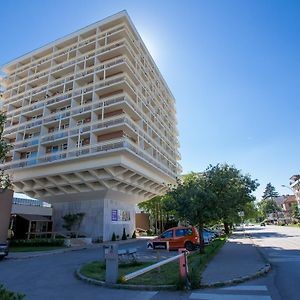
(281, 246)
(52, 276)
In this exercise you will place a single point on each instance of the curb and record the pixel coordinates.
(89, 280)
(39, 254)
(45, 253)
(261, 272)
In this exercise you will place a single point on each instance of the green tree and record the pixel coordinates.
(268, 206)
(194, 203)
(161, 211)
(270, 192)
(232, 189)
(4, 149)
(295, 211)
(72, 221)
(251, 211)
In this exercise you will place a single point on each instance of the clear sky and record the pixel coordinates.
(233, 67)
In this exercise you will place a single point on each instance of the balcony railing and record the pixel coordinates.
(103, 147)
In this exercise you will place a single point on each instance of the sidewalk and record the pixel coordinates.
(239, 260)
(25, 255)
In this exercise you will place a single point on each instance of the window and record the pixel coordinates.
(180, 232)
(167, 234)
(64, 146)
(184, 232)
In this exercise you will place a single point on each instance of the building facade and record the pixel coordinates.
(295, 186)
(93, 125)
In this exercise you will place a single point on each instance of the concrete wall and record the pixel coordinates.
(92, 222)
(97, 207)
(118, 201)
(5, 211)
(31, 210)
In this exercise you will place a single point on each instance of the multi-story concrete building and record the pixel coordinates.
(93, 125)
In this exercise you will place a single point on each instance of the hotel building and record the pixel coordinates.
(93, 126)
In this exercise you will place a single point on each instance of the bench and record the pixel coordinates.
(127, 255)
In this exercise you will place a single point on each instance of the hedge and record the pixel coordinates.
(6, 295)
(37, 242)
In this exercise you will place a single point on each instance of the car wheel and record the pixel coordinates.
(189, 246)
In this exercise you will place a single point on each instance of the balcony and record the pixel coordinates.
(103, 147)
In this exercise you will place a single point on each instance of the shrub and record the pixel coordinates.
(98, 240)
(113, 238)
(72, 220)
(133, 235)
(6, 295)
(124, 236)
(194, 278)
(37, 242)
(149, 232)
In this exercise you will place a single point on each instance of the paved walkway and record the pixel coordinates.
(238, 258)
(24, 255)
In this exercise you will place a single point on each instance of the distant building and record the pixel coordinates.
(295, 186)
(288, 203)
(285, 202)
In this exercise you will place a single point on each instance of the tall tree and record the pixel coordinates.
(194, 202)
(161, 211)
(4, 149)
(270, 192)
(232, 189)
(268, 206)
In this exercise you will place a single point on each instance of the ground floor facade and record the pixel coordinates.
(104, 213)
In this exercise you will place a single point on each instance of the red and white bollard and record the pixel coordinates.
(183, 267)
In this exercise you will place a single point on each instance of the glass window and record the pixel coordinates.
(180, 232)
(167, 234)
(189, 231)
(184, 232)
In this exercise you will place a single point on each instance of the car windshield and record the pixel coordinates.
(167, 234)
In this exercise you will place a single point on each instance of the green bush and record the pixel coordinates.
(113, 237)
(133, 235)
(6, 295)
(37, 242)
(150, 232)
(124, 236)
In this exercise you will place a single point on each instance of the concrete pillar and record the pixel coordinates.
(112, 263)
(5, 212)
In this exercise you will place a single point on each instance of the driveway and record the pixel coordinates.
(52, 276)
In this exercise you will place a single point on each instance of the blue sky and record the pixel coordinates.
(233, 67)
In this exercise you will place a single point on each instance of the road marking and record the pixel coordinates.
(246, 288)
(208, 296)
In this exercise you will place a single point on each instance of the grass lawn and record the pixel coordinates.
(293, 225)
(168, 274)
(34, 248)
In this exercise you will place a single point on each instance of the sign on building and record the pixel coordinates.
(119, 215)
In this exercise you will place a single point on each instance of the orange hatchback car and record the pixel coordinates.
(180, 237)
